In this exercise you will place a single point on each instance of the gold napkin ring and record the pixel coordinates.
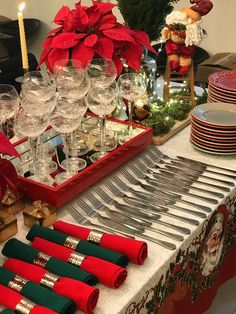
(95, 236)
(76, 258)
(17, 283)
(71, 242)
(41, 259)
(25, 306)
(49, 280)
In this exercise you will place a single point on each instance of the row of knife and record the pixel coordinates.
(151, 192)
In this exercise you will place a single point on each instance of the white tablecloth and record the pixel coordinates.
(140, 278)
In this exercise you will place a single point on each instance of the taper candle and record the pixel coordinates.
(24, 54)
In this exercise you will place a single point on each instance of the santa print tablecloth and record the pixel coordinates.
(194, 276)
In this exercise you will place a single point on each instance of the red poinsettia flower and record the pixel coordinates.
(8, 175)
(87, 32)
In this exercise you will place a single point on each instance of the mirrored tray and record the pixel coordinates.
(57, 195)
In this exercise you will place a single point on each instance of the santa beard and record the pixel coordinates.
(194, 34)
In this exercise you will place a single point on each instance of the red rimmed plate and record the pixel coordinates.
(212, 131)
(221, 91)
(224, 79)
(221, 98)
(214, 145)
(213, 138)
(211, 151)
(217, 115)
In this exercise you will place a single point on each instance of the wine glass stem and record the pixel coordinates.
(103, 134)
(66, 146)
(130, 109)
(33, 146)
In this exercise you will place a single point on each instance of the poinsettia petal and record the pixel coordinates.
(47, 42)
(82, 19)
(108, 21)
(93, 14)
(55, 31)
(104, 48)
(44, 55)
(104, 7)
(142, 38)
(56, 55)
(133, 55)
(69, 23)
(91, 40)
(119, 65)
(119, 34)
(6, 147)
(64, 41)
(79, 36)
(61, 15)
(83, 53)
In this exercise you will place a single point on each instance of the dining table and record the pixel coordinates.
(185, 279)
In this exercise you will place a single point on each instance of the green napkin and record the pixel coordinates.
(19, 250)
(83, 247)
(40, 295)
(7, 311)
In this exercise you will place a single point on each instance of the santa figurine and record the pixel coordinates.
(182, 33)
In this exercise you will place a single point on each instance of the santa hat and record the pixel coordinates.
(202, 6)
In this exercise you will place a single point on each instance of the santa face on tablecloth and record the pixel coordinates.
(213, 244)
(182, 32)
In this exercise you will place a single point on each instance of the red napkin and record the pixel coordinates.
(107, 273)
(11, 298)
(136, 251)
(83, 295)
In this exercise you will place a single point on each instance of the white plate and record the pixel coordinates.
(216, 114)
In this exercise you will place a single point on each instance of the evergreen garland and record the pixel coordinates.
(146, 15)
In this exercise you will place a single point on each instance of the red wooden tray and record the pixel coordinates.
(60, 194)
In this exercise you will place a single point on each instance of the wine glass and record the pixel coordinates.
(66, 124)
(102, 101)
(132, 86)
(102, 71)
(69, 76)
(32, 127)
(38, 86)
(9, 102)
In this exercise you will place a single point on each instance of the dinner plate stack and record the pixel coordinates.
(222, 87)
(214, 128)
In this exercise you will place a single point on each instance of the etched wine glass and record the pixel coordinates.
(102, 71)
(9, 102)
(132, 86)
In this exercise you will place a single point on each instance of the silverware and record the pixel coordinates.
(145, 216)
(193, 167)
(178, 186)
(148, 206)
(162, 199)
(191, 161)
(162, 193)
(148, 162)
(121, 216)
(129, 230)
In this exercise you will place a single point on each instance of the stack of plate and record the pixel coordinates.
(214, 128)
(222, 87)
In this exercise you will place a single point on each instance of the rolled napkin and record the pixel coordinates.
(19, 250)
(36, 293)
(136, 251)
(4, 310)
(84, 296)
(107, 273)
(83, 247)
(16, 302)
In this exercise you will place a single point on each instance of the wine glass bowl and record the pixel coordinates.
(9, 102)
(102, 71)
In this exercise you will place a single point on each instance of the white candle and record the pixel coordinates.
(23, 45)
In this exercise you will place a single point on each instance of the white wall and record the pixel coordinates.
(220, 23)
